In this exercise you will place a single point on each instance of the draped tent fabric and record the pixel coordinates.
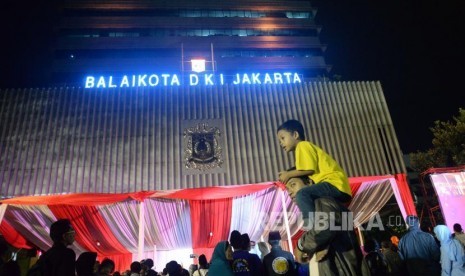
(12, 236)
(399, 186)
(404, 194)
(245, 221)
(371, 196)
(84, 199)
(177, 222)
(123, 219)
(214, 192)
(267, 215)
(377, 193)
(33, 223)
(211, 223)
(2, 210)
(93, 232)
(356, 182)
(168, 224)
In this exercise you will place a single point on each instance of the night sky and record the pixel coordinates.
(416, 49)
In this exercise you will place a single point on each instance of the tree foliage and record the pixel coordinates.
(448, 145)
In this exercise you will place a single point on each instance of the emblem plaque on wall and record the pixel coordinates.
(202, 150)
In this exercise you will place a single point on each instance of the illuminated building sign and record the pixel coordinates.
(152, 80)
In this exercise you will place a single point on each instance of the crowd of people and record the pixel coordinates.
(317, 184)
(416, 253)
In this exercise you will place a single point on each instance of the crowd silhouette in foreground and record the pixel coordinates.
(417, 253)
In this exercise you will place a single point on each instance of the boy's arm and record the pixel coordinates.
(284, 176)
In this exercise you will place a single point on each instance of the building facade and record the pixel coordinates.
(116, 37)
(114, 140)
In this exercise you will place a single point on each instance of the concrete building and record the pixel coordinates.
(111, 37)
(71, 140)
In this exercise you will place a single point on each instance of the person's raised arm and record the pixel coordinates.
(284, 176)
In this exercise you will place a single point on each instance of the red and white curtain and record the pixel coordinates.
(170, 225)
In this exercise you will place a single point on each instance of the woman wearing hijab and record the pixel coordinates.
(221, 260)
(452, 253)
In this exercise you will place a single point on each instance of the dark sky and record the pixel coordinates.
(416, 49)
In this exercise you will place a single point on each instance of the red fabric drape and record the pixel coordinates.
(210, 222)
(84, 199)
(94, 199)
(405, 193)
(443, 170)
(356, 182)
(12, 236)
(91, 229)
(354, 187)
(208, 193)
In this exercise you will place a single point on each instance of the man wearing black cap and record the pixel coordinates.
(278, 262)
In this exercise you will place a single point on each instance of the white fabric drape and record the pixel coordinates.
(2, 211)
(250, 213)
(396, 191)
(370, 198)
(259, 213)
(123, 218)
(168, 224)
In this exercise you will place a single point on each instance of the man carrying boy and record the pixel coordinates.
(328, 177)
(336, 251)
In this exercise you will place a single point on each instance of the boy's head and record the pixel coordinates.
(289, 134)
(295, 184)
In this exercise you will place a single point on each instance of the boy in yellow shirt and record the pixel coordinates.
(328, 177)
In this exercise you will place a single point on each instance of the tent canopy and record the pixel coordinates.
(166, 225)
